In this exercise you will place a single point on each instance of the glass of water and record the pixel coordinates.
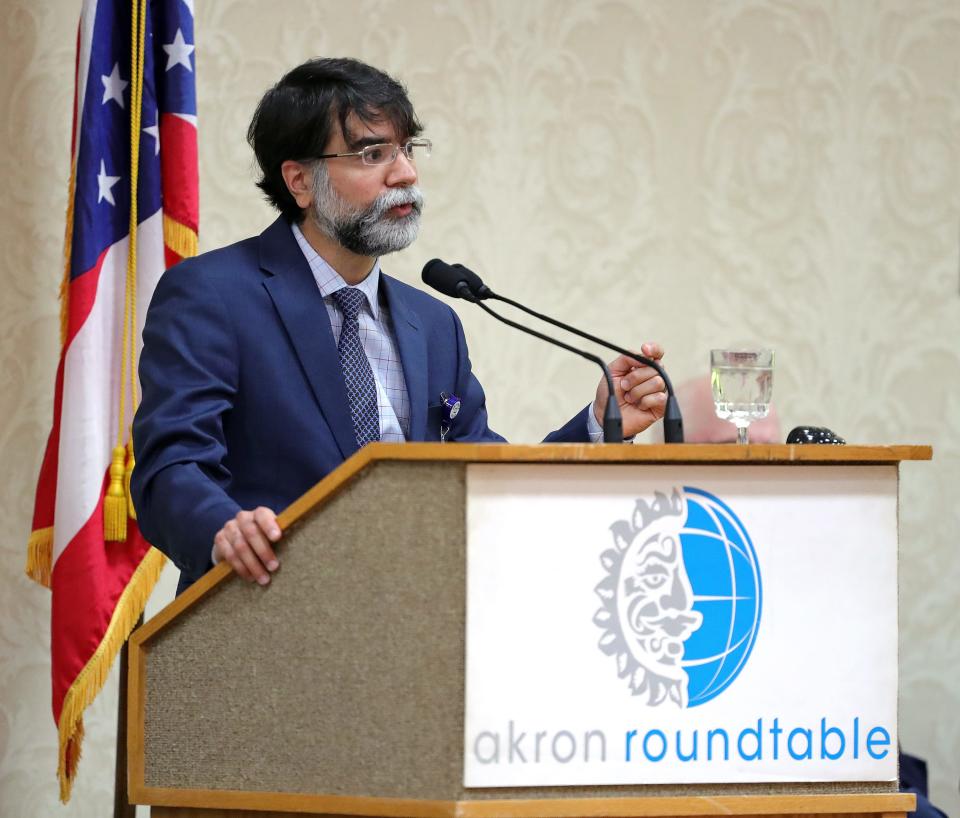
(742, 382)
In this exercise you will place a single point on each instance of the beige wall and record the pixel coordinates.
(785, 173)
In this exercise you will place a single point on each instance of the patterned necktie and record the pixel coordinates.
(357, 374)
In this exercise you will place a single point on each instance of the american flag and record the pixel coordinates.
(100, 586)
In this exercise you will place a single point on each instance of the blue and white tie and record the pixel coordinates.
(357, 374)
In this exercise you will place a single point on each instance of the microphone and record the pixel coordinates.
(457, 281)
(462, 280)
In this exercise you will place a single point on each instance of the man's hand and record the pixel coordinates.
(640, 391)
(244, 542)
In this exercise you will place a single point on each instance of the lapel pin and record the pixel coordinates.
(451, 405)
(451, 408)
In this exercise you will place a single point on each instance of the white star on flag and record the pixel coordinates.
(154, 131)
(189, 5)
(178, 52)
(113, 86)
(104, 183)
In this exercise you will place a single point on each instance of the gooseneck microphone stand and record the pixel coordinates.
(612, 419)
(672, 420)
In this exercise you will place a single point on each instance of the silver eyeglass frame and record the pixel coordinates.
(365, 152)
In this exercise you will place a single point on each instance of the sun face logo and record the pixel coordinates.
(681, 598)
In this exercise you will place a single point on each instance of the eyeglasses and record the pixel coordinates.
(386, 153)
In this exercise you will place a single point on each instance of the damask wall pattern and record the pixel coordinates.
(702, 173)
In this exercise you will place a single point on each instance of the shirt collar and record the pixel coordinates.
(329, 280)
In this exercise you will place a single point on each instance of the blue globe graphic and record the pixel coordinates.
(722, 567)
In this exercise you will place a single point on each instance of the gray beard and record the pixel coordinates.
(365, 231)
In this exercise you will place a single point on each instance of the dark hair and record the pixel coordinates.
(295, 118)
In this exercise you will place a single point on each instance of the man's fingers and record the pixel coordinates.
(640, 389)
(624, 364)
(257, 540)
(639, 383)
(652, 350)
(244, 542)
(267, 520)
(225, 553)
(244, 550)
(656, 403)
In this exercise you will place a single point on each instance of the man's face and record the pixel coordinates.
(368, 209)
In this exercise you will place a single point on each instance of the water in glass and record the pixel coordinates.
(742, 384)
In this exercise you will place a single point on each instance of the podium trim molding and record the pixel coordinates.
(605, 807)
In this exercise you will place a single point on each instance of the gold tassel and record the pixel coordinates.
(115, 503)
(127, 473)
(40, 556)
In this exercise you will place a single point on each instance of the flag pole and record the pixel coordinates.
(122, 808)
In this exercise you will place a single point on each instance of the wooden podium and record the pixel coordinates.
(339, 688)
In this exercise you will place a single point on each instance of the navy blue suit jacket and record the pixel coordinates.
(243, 400)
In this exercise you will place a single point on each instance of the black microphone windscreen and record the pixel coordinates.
(473, 281)
(447, 277)
(441, 276)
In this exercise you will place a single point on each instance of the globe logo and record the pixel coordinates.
(681, 599)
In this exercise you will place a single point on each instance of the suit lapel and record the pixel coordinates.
(298, 301)
(412, 345)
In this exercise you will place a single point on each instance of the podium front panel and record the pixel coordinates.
(345, 674)
(680, 624)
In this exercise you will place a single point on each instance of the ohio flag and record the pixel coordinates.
(133, 162)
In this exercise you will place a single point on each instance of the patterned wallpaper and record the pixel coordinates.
(702, 173)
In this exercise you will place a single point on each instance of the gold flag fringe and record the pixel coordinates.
(91, 678)
(40, 556)
(179, 238)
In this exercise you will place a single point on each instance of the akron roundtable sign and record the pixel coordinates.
(670, 624)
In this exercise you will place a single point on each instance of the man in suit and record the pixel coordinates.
(267, 363)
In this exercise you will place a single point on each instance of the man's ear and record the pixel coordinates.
(299, 182)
